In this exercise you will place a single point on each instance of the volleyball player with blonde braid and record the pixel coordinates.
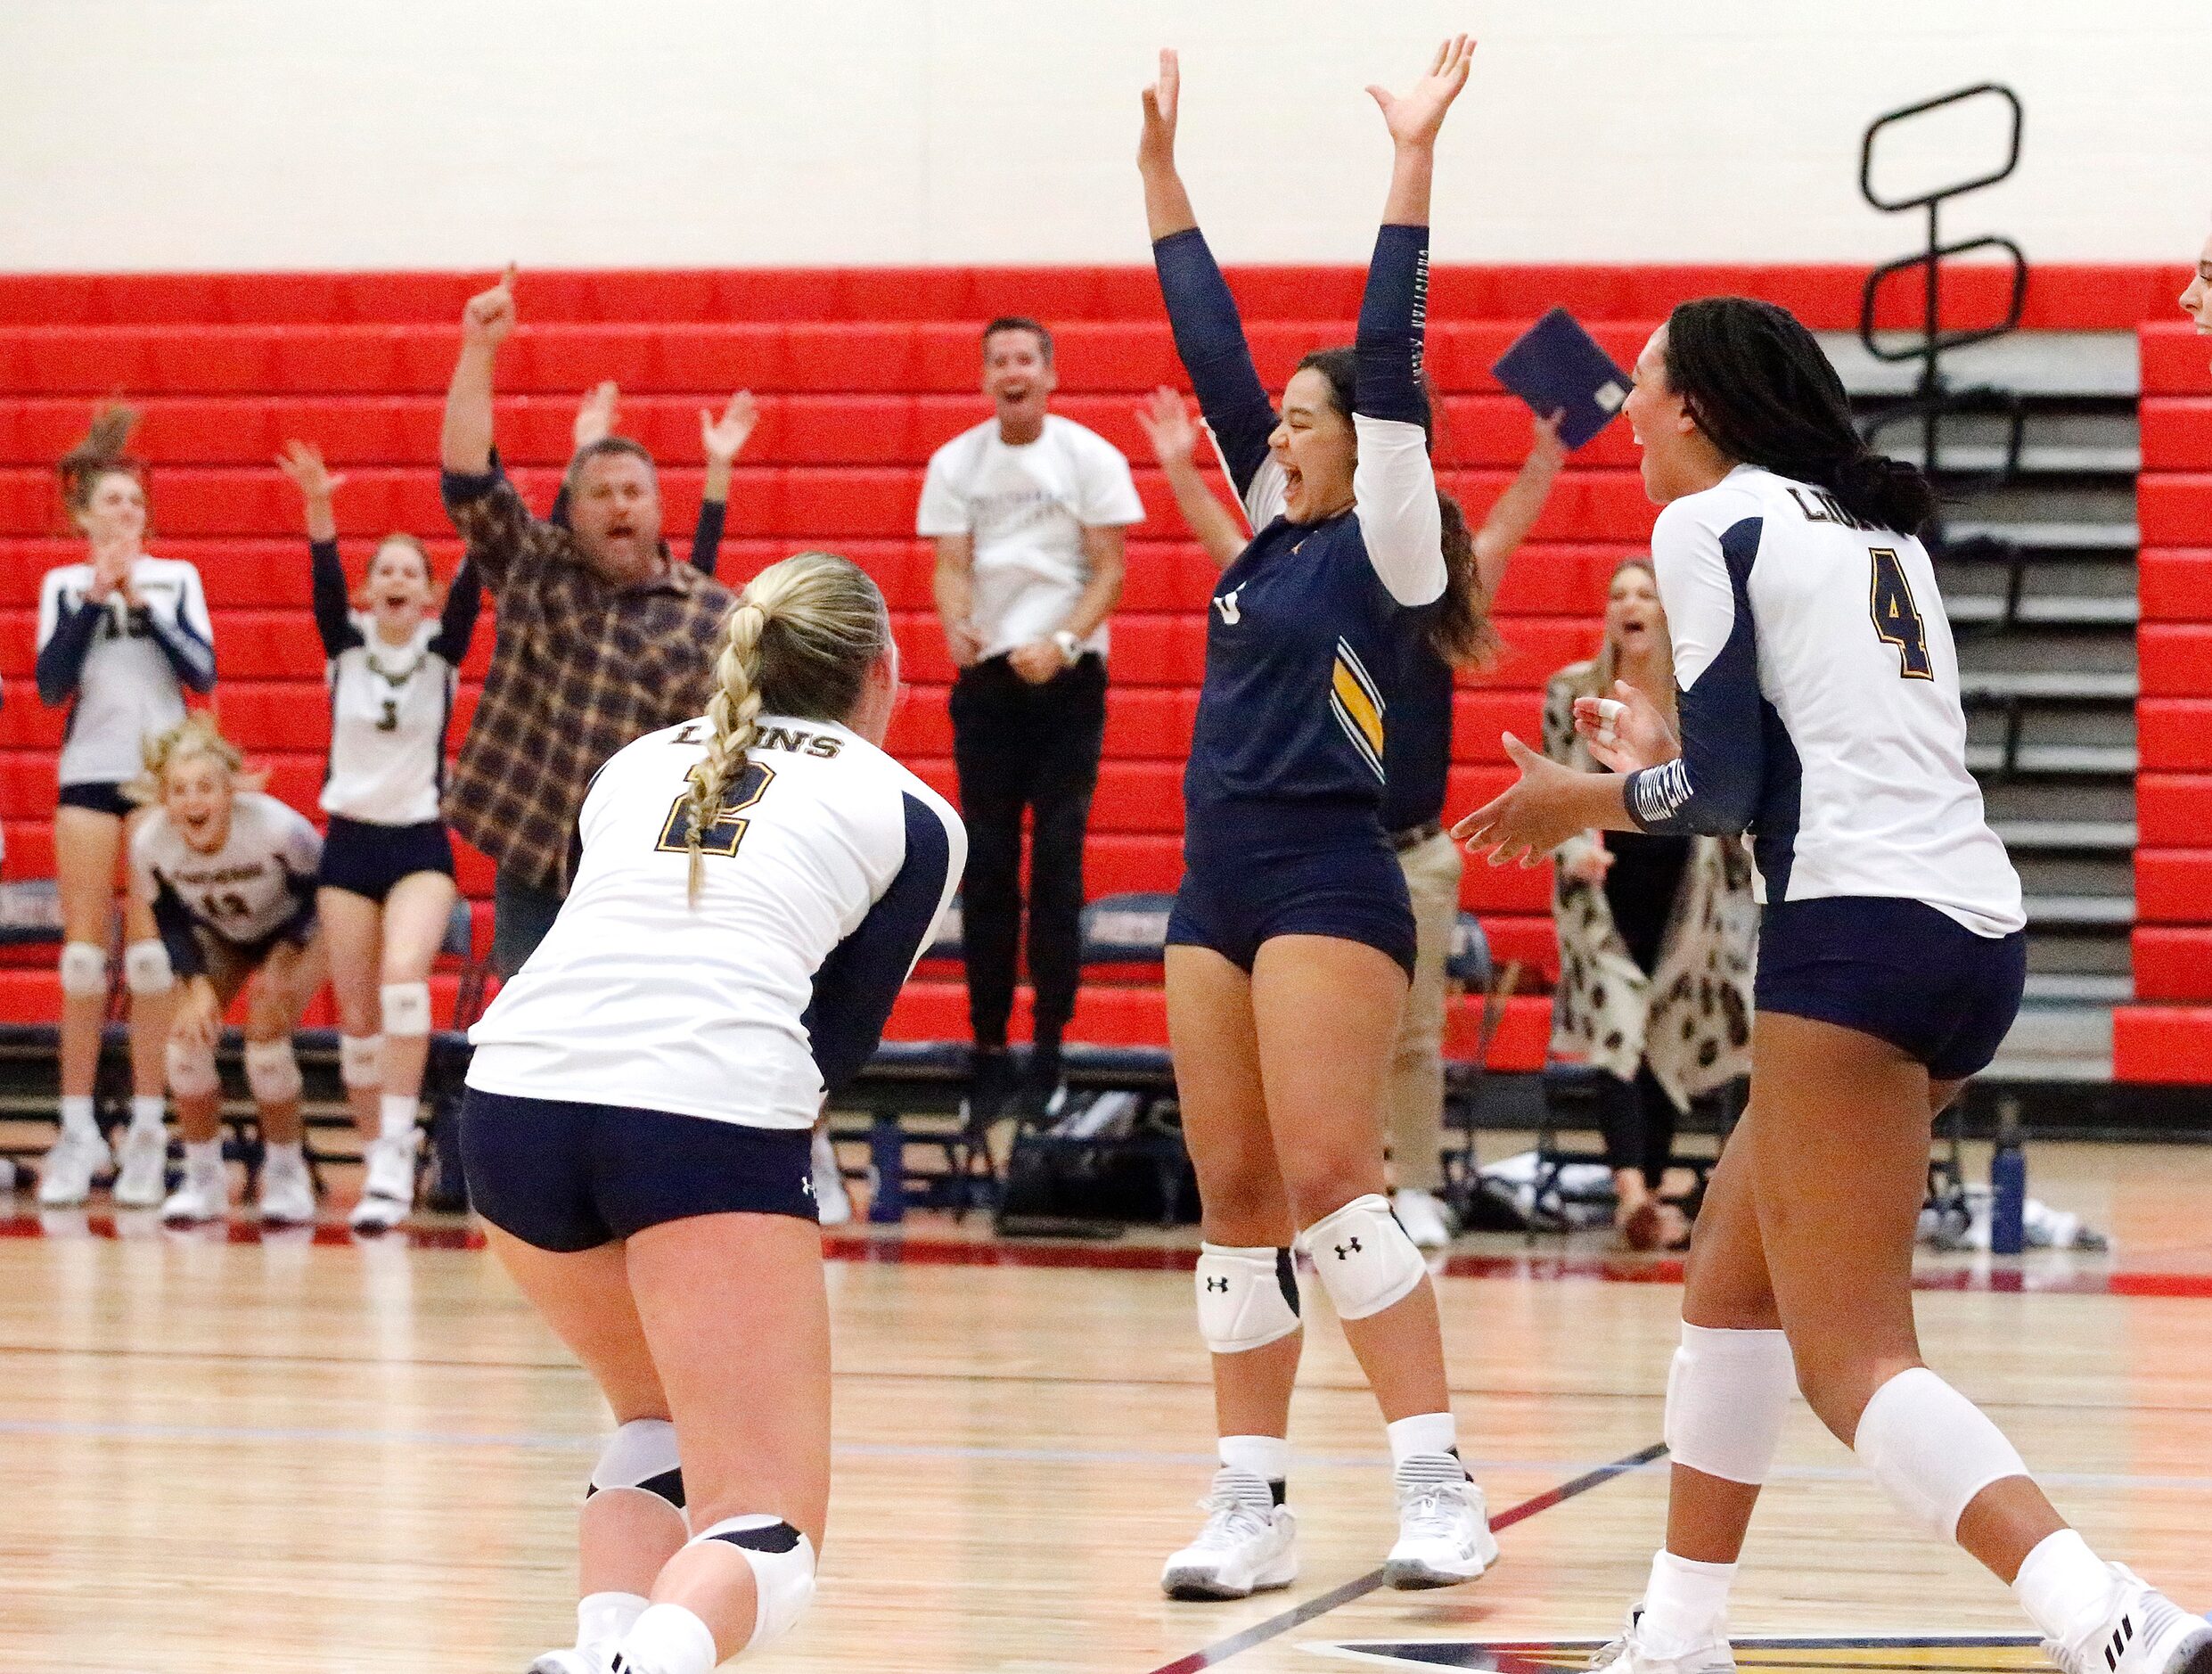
(750, 889)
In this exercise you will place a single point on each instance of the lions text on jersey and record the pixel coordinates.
(1820, 704)
(829, 867)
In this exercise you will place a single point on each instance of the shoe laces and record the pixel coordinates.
(1240, 1507)
(1431, 1495)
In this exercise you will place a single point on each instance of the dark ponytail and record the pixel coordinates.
(1761, 389)
(1460, 632)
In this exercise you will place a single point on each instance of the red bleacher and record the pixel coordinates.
(2167, 1035)
(861, 374)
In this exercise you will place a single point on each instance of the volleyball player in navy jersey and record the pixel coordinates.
(1292, 939)
(122, 637)
(1819, 709)
(387, 875)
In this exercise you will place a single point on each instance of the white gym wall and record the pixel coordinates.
(278, 134)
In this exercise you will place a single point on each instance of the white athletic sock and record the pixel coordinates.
(1267, 1458)
(203, 1156)
(601, 1619)
(292, 1156)
(1685, 1604)
(397, 1111)
(1423, 1432)
(147, 1110)
(2062, 1586)
(669, 1639)
(77, 1118)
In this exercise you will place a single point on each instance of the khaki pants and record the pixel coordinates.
(1413, 1101)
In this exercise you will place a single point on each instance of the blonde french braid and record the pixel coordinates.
(731, 715)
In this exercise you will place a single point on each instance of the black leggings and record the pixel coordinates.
(1637, 1119)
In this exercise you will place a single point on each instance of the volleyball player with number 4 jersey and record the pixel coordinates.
(749, 891)
(387, 874)
(1819, 708)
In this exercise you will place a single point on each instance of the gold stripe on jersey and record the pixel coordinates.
(1358, 705)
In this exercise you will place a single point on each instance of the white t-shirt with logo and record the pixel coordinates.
(1026, 508)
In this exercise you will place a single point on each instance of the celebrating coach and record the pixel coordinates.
(603, 636)
(1026, 511)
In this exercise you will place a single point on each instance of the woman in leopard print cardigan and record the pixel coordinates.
(1656, 936)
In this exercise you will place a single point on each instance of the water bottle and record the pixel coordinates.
(2008, 1184)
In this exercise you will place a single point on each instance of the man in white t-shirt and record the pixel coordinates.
(1026, 511)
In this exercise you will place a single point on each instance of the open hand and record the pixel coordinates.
(489, 315)
(1530, 818)
(1165, 420)
(595, 420)
(1626, 731)
(302, 462)
(199, 1019)
(1414, 115)
(724, 437)
(1156, 144)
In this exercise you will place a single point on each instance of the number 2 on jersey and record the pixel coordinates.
(1896, 618)
(728, 830)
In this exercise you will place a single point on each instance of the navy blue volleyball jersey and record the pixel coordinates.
(1311, 624)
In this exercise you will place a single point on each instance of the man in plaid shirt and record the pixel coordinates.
(603, 638)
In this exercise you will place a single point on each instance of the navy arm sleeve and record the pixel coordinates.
(333, 613)
(174, 921)
(706, 535)
(1713, 788)
(62, 658)
(1393, 312)
(857, 983)
(456, 623)
(193, 657)
(1210, 340)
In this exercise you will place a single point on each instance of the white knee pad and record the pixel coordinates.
(271, 1072)
(1247, 1298)
(1365, 1260)
(84, 968)
(146, 968)
(1727, 1394)
(784, 1570)
(1931, 1449)
(190, 1068)
(641, 1455)
(361, 1059)
(406, 1008)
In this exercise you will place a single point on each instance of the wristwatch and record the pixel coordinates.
(1070, 647)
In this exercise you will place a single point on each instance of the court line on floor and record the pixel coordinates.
(1275, 1627)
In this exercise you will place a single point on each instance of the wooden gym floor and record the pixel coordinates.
(302, 1453)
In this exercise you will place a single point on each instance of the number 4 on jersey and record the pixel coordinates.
(1896, 618)
(728, 830)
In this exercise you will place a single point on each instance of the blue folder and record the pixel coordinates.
(1556, 367)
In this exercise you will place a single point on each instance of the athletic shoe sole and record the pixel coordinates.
(1201, 1586)
(1411, 1575)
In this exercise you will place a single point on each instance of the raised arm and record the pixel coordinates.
(1515, 512)
(1166, 423)
(722, 439)
(1209, 335)
(465, 445)
(456, 623)
(302, 463)
(1393, 485)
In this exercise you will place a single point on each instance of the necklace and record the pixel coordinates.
(394, 677)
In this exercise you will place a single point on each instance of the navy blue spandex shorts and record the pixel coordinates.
(567, 1177)
(366, 860)
(1254, 871)
(1898, 970)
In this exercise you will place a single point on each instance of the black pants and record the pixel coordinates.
(522, 912)
(1036, 747)
(1637, 1119)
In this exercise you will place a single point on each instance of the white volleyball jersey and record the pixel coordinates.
(390, 706)
(122, 671)
(824, 877)
(260, 881)
(1820, 704)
